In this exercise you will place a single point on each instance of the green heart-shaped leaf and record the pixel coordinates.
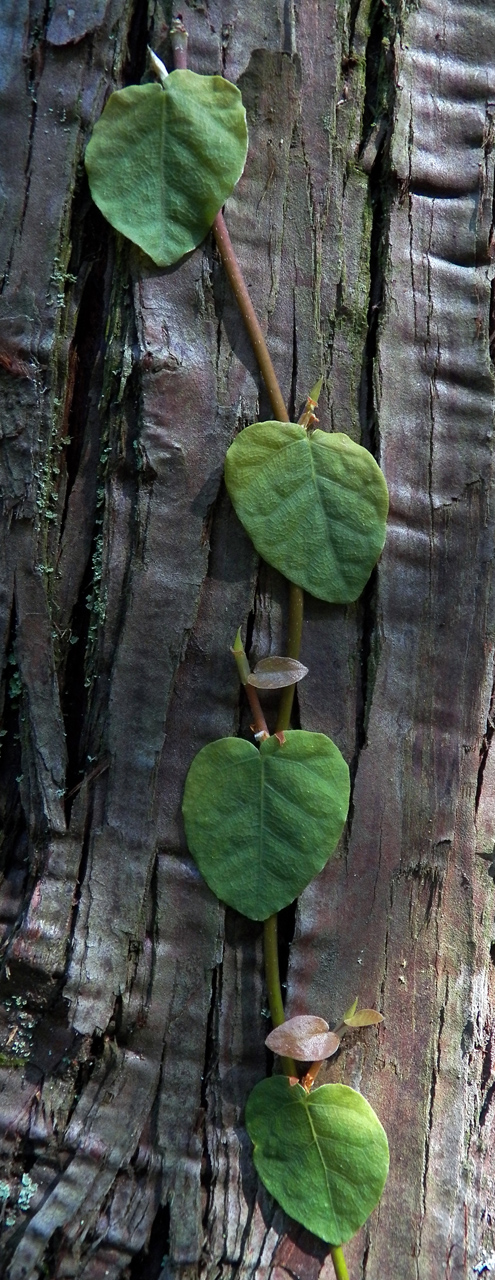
(261, 824)
(315, 505)
(323, 1155)
(163, 160)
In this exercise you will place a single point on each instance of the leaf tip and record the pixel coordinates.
(237, 646)
(157, 66)
(315, 392)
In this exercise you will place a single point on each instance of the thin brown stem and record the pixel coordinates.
(250, 318)
(259, 725)
(310, 1077)
(178, 40)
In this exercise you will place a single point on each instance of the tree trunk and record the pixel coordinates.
(133, 1009)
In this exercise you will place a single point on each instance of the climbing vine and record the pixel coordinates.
(262, 818)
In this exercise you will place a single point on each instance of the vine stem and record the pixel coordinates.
(259, 727)
(296, 615)
(338, 1260)
(250, 318)
(178, 36)
(274, 989)
(178, 40)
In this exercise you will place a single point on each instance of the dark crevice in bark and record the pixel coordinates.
(486, 1070)
(486, 1105)
(74, 698)
(152, 930)
(286, 930)
(148, 1263)
(492, 310)
(378, 105)
(491, 255)
(87, 345)
(484, 752)
(431, 1107)
(134, 474)
(14, 859)
(366, 1254)
(93, 1050)
(353, 13)
(210, 1065)
(249, 631)
(34, 63)
(380, 82)
(81, 875)
(295, 720)
(114, 1029)
(367, 619)
(135, 63)
(33, 72)
(380, 191)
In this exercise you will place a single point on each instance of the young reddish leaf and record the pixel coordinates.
(276, 673)
(305, 1038)
(364, 1018)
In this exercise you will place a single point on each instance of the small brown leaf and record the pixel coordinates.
(276, 673)
(364, 1018)
(305, 1038)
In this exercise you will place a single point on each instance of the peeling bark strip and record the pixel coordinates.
(131, 1020)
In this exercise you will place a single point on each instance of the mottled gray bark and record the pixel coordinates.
(132, 1012)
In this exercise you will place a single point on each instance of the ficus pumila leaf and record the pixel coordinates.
(261, 824)
(306, 1038)
(276, 673)
(163, 159)
(314, 504)
(323, 1155)
(364, 1018)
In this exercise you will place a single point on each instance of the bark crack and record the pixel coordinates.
(430, 1118)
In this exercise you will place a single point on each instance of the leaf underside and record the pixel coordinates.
(315, 505)
(163, 160)
(277, 673)
(261, 824)
(305, 1037)
(323, 1155)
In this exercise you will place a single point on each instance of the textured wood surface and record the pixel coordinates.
(132, 1013)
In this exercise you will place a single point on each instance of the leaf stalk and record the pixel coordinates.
(239, 288)
(259, 726)
(296, 617)
(274, 989)
(338, 1260)
(178, 40)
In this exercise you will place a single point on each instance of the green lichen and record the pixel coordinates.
(28, 1190)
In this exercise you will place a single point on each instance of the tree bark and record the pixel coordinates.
(133, 1011)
